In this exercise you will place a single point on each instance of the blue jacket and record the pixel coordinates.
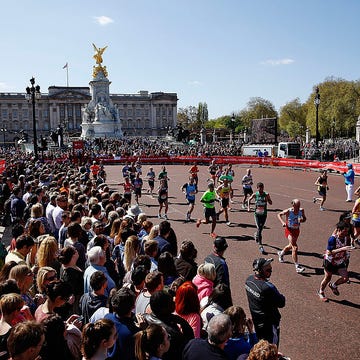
(349, 177)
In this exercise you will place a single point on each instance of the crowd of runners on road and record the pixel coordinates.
(87, 260)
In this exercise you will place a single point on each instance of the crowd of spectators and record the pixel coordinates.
(88, 276)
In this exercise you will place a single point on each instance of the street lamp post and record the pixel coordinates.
(3, 130)
(33, 93)
(317, 103)
(232, 127)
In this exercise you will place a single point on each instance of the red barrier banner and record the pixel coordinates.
(251, 160)
(2, 166)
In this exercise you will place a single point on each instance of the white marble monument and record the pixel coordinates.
(100, 118)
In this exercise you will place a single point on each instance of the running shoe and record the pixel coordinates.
(322, 296)
(314, 200)
(299, 269)
(281, 257)
(159, 216)
(262, 250)
(334, 289)
(198, 222)
(322, 209)
(228, 223)
(165, 217)
(213, 235)
(244, 206)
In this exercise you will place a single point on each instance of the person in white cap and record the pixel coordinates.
(349, 182)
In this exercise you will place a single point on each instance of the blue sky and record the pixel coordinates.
(222, 52)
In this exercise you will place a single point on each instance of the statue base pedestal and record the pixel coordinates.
(101, 130)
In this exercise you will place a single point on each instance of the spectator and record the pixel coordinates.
(204, 280)
(96, 298)
(10, 306)
(55, 346)
(47, 254)
(217, 258)
(26, 340)
(72, 274)
(163, 306)
(122, 304)
(264, 301)
(215, 304)
(243, 336)
(24, 244)
(185, 263)
(97, 259)
(97, 339)
(58, 294)
(152, 343)
(187, 305)
(219, 331)
(154, 281)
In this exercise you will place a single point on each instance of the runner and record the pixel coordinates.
(294, 216)
(223, 191)
(128, 188)
(163, 198)
(151, 180)
(212, 171)
(335, 260)
(230, 172)
(163, 175)
(194, 173)
(125, 170)
(322, 186)
(137, 183)
(208, 199)
(190, 190)
(356, 218)
(247, 182)
(262, 198)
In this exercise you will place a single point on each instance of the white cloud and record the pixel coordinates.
(194, 83)
(276, 62)
(103, 20)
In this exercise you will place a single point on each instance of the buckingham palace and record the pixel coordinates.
(141, 114)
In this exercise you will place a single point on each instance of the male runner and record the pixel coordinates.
(293, 217)
(190, 190)
(208, 199)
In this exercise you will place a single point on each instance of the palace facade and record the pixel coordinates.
(141, 114)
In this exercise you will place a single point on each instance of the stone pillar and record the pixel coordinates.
(202, 136)
(358, 130)
(214, 136)
(307, 136)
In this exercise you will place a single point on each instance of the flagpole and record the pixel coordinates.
(67, 75)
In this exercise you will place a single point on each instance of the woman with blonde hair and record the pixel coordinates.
(131, 251)
(45, 275)
(115, 228)
(204, 280)
(37, 213)
(24, 278)
(47, 254)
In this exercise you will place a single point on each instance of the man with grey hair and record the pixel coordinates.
(97, 258)
(219, 331)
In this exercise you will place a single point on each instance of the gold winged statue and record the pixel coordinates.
(98, 56)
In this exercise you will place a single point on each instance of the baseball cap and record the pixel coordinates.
(349, 166)
(220, 243)
(259, 263)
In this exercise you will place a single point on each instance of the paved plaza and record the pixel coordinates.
(310, 329)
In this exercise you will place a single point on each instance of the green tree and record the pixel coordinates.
(202, 114)
(256, 108)
(187, 116)
(338, 110)
(292, 118)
